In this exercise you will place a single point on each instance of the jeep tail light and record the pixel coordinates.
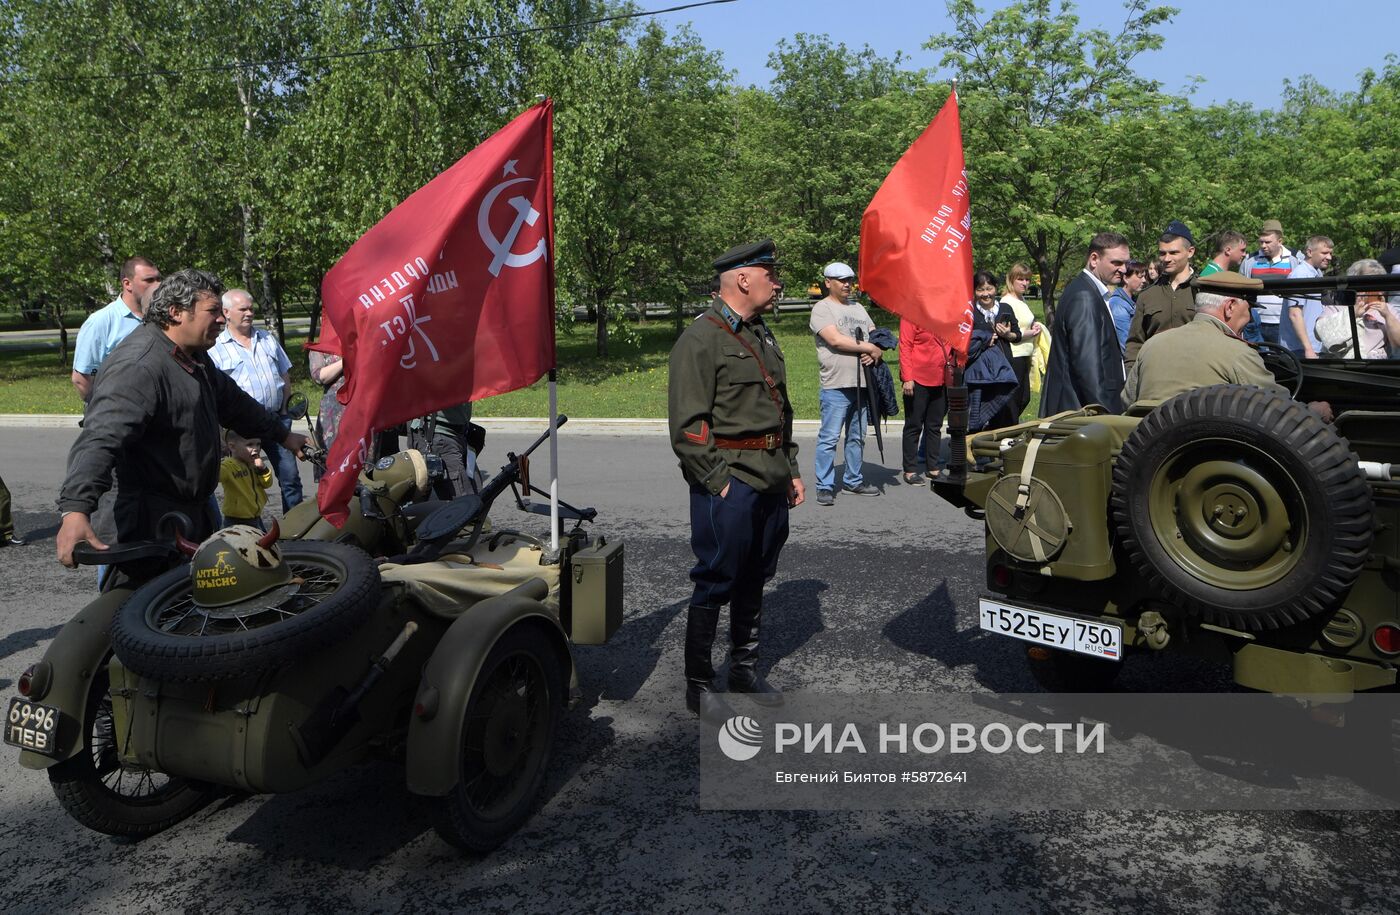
(1386, 638)
(1001, 577)
(26, 680)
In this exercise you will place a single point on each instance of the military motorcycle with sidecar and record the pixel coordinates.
(265, 665)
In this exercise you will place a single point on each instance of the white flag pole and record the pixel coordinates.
(553, 462)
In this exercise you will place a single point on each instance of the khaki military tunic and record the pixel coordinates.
(1201, 353)
(1159, 308)
(717, 390)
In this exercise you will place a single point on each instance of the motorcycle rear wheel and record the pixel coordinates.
(100, 793)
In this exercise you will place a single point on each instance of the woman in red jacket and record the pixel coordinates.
(922, 361)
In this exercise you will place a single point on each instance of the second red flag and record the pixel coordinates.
(916, 235)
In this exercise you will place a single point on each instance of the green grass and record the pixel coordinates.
(629, 383)
(38, 382)
(13, 320)
(632, 381)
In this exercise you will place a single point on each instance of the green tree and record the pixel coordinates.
(1058, 129)
(814, 149)
(1338, 155)
(640, 134)
(68, 212)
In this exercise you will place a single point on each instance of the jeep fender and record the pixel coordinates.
(74, 657)
(433, 764)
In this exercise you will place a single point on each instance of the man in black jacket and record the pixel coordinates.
(156, 409)
(1086, 362)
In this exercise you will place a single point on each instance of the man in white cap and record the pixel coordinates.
(842, 330)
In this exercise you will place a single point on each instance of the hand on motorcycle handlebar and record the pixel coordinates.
(76, 528)
(296, 443)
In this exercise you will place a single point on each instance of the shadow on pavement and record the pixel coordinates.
(353, 820)
(929, 628)
(24, 526)
(618, 670)
(792, 616)
(16, 642)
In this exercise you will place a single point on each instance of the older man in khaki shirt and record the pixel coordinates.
(1208, 350)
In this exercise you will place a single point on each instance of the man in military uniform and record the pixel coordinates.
(1170, 302)
(731, 427)
(1208, 350)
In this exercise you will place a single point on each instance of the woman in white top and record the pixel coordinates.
(1018, 280)
(1377, 322)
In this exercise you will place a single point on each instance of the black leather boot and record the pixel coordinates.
(699, 665)
(743, 657)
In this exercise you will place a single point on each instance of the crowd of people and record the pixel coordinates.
(157, 405)
(183, 391)
(1110, 310)
(249, 356)
(1124, 330)
(163, 429)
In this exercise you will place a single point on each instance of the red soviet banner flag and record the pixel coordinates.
(916, 235)
(449, 298)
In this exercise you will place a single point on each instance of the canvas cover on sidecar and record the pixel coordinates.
(456, 580)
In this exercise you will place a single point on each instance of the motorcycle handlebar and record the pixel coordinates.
(171, 528)
(85, 554)
(544, 436)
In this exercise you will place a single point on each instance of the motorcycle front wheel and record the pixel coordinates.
(105, 796)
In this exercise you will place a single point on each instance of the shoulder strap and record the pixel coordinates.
(768, 379)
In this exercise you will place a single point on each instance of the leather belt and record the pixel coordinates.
(754, 443)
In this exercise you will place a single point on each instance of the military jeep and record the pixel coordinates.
(1229, 522)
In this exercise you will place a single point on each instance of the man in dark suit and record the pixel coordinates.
(1086, 362)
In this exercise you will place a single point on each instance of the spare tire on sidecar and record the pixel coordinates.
(252, 606)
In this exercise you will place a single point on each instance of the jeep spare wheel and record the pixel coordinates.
(1242, 506)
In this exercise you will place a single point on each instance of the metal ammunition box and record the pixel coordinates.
(591, 608)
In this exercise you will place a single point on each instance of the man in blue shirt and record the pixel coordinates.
(1297, 327)
(255, 360)
(108, 326)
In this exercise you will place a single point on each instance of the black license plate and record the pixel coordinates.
(31, 726)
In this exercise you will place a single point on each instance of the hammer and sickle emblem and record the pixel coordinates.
(501, 247)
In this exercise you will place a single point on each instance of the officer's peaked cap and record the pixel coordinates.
(1229, 283)
(755, 253)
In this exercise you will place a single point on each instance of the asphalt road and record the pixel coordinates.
(873, 594)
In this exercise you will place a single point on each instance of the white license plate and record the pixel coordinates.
(1067, 633)
(32, 726)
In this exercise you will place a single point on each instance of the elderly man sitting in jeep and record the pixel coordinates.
(1209, 349)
